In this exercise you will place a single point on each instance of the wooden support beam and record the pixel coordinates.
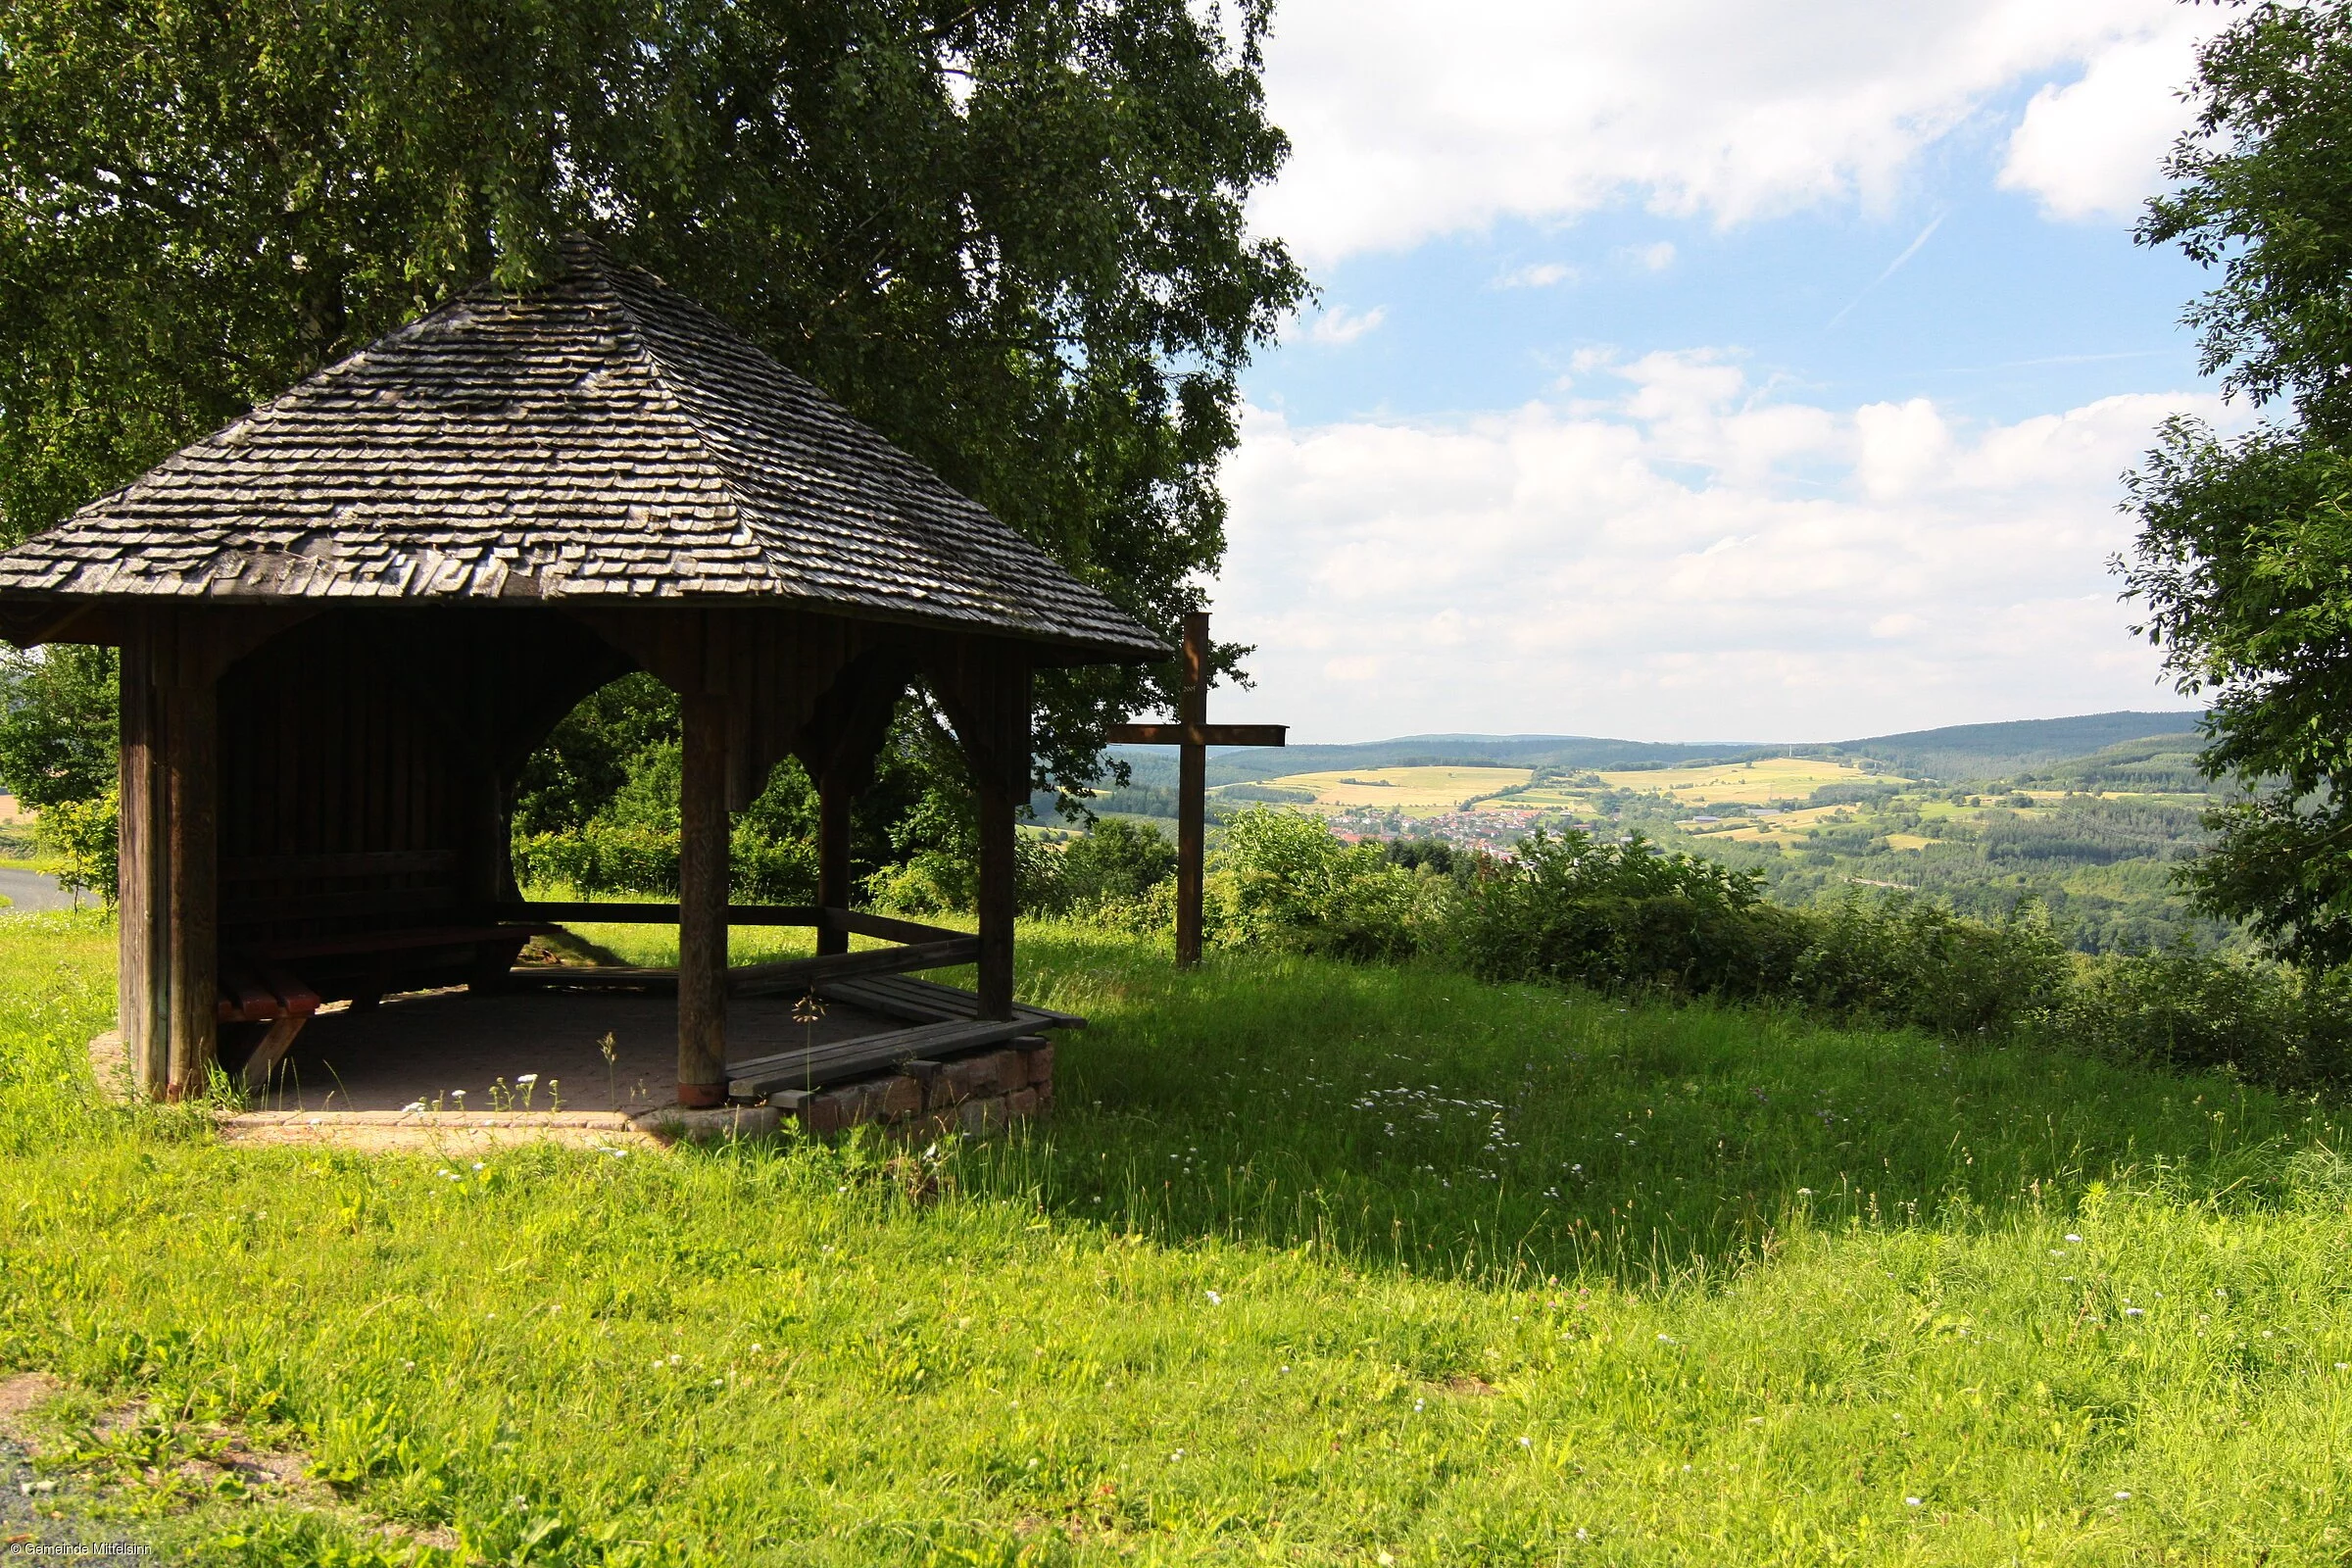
(702, 874)
(984, 686)
(838, 747)
(1191, 793)
(168, 857)
(192, 784)
(545, 916)
(996, 905)
(144, 904)
(833, 856)
(1198, 734)
(786, 974)
(261, 1065)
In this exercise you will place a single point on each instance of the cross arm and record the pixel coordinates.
(1198, 734)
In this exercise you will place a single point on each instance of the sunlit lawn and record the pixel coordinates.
(1314, 1265)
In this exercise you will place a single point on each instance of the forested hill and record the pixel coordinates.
(1241, 767)
(1957, 754)
(1971, 752)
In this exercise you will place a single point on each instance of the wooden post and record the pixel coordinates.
(703, 903)
(997, 905)
(192, 778)
(832, 856)
(1192, 792)
(984, 685)
(142, 858)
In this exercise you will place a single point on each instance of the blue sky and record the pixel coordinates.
(1998, 314)
(1710, 370)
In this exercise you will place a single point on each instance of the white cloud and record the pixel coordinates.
(1537, 274)
(1337, 325)
(1685, 559)
(1650, 257)
(1411, 119)
(2093, 149)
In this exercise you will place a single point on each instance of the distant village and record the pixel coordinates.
(1497, 832)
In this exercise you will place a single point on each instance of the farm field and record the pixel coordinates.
(1433, 791)
(1415, 790)
(1789, 827)
(1757, 783)
(1316, 1264)
(2094, 841)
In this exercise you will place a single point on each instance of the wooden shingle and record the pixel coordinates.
(597, 440)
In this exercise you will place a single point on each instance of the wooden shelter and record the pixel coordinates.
(349, 618)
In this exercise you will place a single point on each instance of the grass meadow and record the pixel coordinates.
(1314, 1265)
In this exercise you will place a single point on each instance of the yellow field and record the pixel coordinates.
(1430, 791)
(1758, 783)
(1415, 790)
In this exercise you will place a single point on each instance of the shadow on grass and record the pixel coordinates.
(1415, 1117)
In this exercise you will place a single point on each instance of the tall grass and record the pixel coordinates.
(1304, 1269)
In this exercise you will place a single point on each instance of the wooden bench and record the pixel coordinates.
(258, 984)
(265, 993)
(301, 929)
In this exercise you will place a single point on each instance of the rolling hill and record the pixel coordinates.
(1957, 753)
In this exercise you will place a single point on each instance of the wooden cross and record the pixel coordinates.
(1193, 735)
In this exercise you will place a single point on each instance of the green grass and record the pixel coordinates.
(1304, 1270)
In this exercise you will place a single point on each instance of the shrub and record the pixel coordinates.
(771, 870)
(1897, 960)
(602, 856)
(2186, 1010)
(82, 834)
(609, 857)
(1623, 916)
(930, 882)
(1119, 860)
(1285, 882)
(945, 882)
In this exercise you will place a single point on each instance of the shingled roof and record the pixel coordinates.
(598, 439)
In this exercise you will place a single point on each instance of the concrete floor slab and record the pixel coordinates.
(451, 1050)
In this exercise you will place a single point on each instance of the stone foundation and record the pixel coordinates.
(970, 1094)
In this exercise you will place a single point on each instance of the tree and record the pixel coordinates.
(2244, 556)
(57, 726)
(1009, 234)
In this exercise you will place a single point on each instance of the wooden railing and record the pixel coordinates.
(919, 947)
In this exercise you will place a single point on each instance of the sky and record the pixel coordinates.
(1707, 371)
